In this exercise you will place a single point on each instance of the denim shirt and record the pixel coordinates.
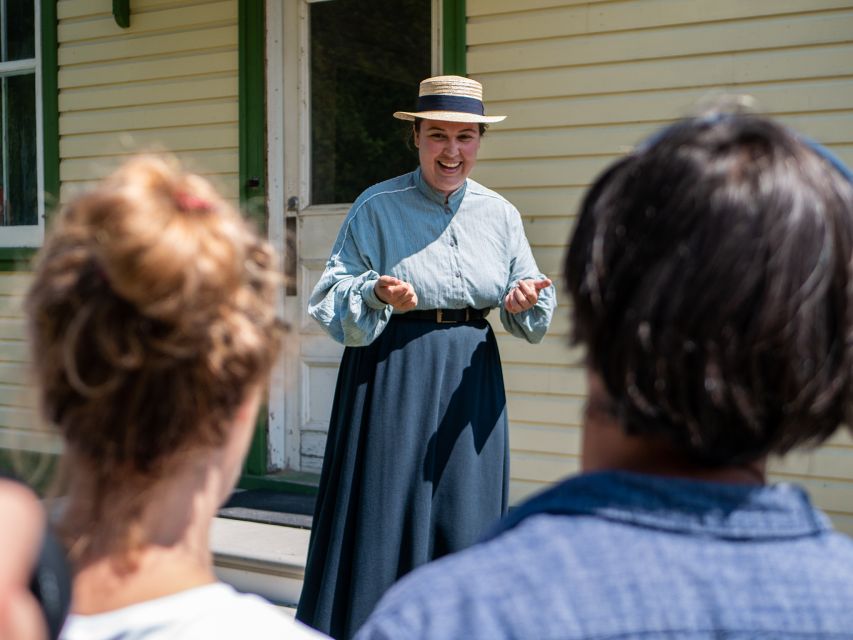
(619, 555)
(465, 249)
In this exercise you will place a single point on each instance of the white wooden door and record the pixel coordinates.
(306, 183)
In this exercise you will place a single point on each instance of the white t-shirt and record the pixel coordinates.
(212, 612)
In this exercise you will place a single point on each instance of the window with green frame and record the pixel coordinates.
(21, 177)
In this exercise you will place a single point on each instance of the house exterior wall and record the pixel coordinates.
(167, 83)
(583, 81)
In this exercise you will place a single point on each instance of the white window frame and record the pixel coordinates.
(28, 235)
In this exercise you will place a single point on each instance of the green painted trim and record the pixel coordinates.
(454, 46)
(17, 258)
(50, 105)
(256, 459)
(121, 13)
(286, 482)
(252, 97)
(36, 469)
(253, 163)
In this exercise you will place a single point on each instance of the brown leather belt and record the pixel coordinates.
(444, 316)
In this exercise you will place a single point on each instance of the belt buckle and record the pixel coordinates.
(439, 317)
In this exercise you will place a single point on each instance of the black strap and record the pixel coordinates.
(444, 316)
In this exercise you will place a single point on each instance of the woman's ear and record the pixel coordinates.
(416, 136)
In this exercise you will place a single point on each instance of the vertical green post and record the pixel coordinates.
(253, 160)
(252, 100)
(454, 45)
(50, 104)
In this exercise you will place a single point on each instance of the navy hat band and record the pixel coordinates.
(440, 102)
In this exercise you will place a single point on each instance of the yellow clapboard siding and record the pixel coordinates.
(221, 136)
(827, 462)
(841, 438)
(14, 373)
(564, 410)
(12, 329)
(546, 438)
(619, 16)
(520, 490)
(546, 201)
(226, 184)
(14, 284)
(541, 467)
(549, 260)
(584, 82)
(663, 106)
(553, 350)
(14, 351)
(671, 42)
(564, 141)
(126, 46)
(11, 306)
(842, 522)
(18, 396)
(185, 65)
(536, 378)
(68, 10)
(480, 7)
(540, 172)
(22, 439)
(148, 92)
(150, 117)
(217, 161)
(169, 18)
(728, 71)
(548, 232)
(26, 419)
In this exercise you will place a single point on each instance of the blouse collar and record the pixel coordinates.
(453, 201)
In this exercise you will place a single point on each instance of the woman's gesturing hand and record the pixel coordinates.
(400, 295)
(524, 295)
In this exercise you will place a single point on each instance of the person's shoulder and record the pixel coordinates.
(232, 614)
(385, 189)
(472, 594)
(477, 190)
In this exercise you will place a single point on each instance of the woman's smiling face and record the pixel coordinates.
(447, 152)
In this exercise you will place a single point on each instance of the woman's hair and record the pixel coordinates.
(481, 126)
(711, 273)
(151, 318)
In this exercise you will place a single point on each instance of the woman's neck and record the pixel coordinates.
(173, 551)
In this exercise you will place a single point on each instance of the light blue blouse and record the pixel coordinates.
(465, 250)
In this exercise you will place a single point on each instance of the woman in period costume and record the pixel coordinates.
(416, 462)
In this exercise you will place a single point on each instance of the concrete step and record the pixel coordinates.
(266, 559)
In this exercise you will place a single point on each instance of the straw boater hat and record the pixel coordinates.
(449, 98)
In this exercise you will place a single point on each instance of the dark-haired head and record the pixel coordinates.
(710, 272)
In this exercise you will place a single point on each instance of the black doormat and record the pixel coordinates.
(270, 507)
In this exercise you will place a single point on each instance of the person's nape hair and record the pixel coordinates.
(711, 273)
(151, 318)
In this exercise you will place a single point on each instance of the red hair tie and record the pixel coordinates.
(189, 202)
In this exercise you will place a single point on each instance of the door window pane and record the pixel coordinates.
(21, 41)
(367, 58)
(21, 172)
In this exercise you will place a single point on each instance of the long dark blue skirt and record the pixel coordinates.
(416, 464)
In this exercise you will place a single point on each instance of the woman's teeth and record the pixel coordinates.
(447, 165)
